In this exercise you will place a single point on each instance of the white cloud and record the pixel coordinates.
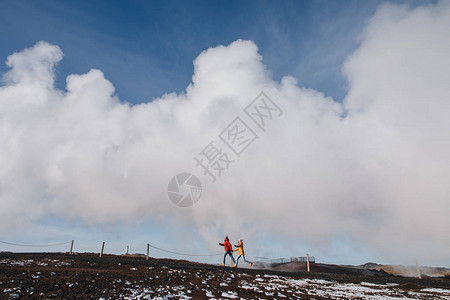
(378, 176)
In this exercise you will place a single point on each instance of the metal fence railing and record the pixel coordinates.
(277, 261)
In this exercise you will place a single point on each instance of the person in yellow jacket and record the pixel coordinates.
(240, 248)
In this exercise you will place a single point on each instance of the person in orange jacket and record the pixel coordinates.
(228, 250)
(240, 248)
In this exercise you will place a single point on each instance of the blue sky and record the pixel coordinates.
(146, 49)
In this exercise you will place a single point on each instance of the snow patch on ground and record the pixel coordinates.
(212, 284)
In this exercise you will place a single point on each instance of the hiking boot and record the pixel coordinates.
(251, 264)
(222, 264)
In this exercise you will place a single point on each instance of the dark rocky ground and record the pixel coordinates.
(87, 276)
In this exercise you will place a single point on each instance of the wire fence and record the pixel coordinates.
(260, 259)
(107, 248)
(184, 254)
(35, 245)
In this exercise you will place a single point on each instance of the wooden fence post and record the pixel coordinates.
(148, 249)
(103, 247)
(71, 247)
(418, 269)
(307, 262)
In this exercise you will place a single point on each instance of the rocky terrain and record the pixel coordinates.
(87, 276)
